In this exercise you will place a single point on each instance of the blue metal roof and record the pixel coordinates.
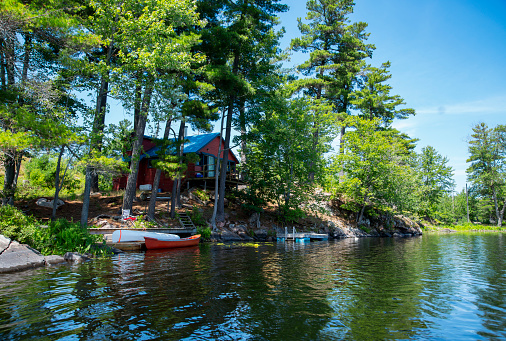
(192, 144)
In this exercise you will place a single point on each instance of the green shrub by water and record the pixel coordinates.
(58, 237)
(17, 226)
(62, 236)
(205, 232)
(197, 217)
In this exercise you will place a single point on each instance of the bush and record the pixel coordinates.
(197, 218)
(201, 194)
(17, 226)
(251, 203)
(291, 214)
(58, 237)
(62, 236)
(205, 232)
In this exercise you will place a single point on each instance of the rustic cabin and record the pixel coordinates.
(201, 173)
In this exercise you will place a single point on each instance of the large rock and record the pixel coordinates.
(254, 220)
(4, 243)
(19, 257)
(49, 203)
(75, 257)
(229, 236)
(54, 260)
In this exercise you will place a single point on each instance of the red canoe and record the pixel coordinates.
(153, 243)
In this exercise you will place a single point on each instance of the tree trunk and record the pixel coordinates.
(99, 125)
(57, 183)
(175, 199)
(3, 82)
(496, 206)
(158, 174)
(359, 219)
(341, 150)
(131, 185)
(181, 175)
(501, 214)
(220, 212)
(10, 155)
(26, 57)
(86, 197)
(10, 174)
(216, 177)
(242, 123)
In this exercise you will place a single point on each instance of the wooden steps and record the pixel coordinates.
(186, 221)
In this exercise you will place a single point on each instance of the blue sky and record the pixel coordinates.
(448, 63)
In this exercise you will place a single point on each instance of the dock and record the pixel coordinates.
(301, 236)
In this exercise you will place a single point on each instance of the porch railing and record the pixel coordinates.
(209, 171)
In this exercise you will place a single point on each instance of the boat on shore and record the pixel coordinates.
(154, 243)
(138, 236)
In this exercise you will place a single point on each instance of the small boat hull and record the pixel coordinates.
(153, 243)
(138, 236)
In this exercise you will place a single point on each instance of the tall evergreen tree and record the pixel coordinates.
(337, 49)
(487, 170)
(233, 42)
(436, 179)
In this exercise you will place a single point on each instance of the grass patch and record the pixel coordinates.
(468, 227)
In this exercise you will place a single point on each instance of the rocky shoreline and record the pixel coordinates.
(16, 257)
(383, 226)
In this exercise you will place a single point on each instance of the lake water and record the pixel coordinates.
(431, 287)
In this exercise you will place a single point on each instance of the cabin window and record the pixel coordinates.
(211, 165)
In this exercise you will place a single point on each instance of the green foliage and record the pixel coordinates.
(197, 217)
(436, 179)
(373, 96)
(58, 237)
(201, 194)
(282, 156)
(62, 236)
(487, 170)
(374, 164)
(17, 226)
(290, 215)
(250, 201)
(41, 172)
(471, 227)
(205, 232)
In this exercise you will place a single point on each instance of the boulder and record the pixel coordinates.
(54, 260)
(101, 223)
(4, 243)
(254, 220)
(75, 257)
(261, 234)
(229, 236)
(245, 236)
(49, 203)
(19, 257)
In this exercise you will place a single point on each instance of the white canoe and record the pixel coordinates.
(138, 236)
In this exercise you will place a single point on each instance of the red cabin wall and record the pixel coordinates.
(147, 175)
(213, 146)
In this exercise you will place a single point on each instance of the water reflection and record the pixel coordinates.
(428, 287)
